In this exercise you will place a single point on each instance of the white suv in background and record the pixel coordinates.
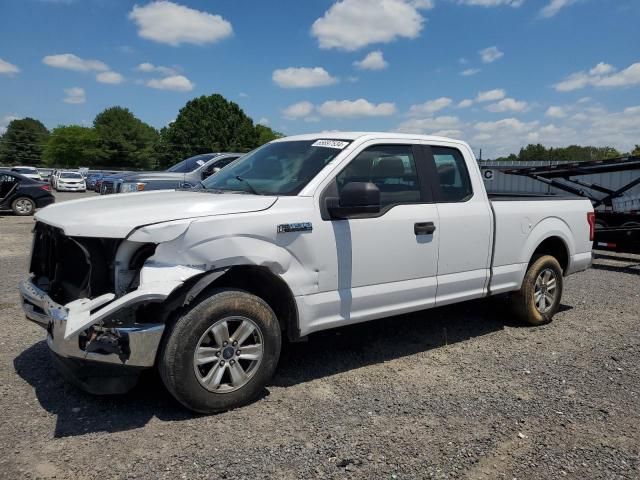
(70, 182)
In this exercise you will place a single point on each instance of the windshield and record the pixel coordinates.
(190, 164)
(70, 175)
(279, 168)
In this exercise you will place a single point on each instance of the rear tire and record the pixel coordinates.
(23, 206)
(199, 362)
(538, 299)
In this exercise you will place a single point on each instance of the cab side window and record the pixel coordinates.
(452, 175)
(391, 168)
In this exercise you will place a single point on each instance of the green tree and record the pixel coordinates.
(72, 146)
(533, 152)
(266, 134)
(210, 124)
(124, 140)
(636, 151)
(23, 142)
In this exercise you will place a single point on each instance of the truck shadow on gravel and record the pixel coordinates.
(326, 353)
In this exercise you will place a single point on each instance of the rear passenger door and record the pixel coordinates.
(465, 226)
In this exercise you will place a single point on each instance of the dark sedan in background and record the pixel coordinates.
(23, 195)
(185, 174)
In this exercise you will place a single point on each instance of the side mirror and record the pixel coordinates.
(355, 198)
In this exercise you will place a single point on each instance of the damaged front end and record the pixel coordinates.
(95, 298)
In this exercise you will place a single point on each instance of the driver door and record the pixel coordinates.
(387, 262)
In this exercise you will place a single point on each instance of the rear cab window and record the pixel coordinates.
(452, 182)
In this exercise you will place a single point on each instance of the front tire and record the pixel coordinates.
(23, 206)
(221, 353)
(538, 299)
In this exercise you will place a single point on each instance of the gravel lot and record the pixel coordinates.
(456, 392)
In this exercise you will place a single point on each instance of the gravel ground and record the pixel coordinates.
(456, 392)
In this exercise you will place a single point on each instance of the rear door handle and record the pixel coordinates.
(424, 228)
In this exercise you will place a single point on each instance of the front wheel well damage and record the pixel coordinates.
(259, 281)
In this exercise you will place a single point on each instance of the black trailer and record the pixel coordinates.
(615, 230)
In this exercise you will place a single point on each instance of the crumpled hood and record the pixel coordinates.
(115, 216)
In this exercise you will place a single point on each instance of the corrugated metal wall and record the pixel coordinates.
(500, 182)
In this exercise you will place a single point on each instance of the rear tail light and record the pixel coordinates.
(591, 218)
(45, 187)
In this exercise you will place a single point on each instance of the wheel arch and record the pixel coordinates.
(257, 280)
(556, 247)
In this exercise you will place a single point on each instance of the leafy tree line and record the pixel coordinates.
(119, 139)
(572, 153)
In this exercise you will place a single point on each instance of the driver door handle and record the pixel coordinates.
(424, 228)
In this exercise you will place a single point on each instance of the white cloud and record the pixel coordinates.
(508, 105)
(466, 103)
(355, 108)
(298, 110)
(7, 68)
(490, 54)
(110, 77)
(445, 126)
(263, 121)
(602, 75)
(151, 68)
(373, 61)
(469, 72)
(353, 24)
(492, 3)
(74, 95)
(69, 61)
(5, 121)
(177, 83)
(602, 69)
(173, 24)
(627, 77)
(556, 112)
(431, 106)
(302, 77)
(491, 95)
(554, 6)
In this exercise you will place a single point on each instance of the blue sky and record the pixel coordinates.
(497, 73)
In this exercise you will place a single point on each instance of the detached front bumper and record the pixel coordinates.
(133, 346)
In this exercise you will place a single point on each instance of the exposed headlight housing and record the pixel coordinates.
(132, 187)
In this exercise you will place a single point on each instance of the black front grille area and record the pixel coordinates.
(68, 268)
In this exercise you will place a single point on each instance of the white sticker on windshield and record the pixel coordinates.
(339, 144)
(200, 162)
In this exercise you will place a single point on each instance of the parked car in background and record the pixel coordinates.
(92, 178)
(186, 174)
(29, 172)
(110, 183)
(53, 178)
(45, 173)
(23, 194)
(70, 182)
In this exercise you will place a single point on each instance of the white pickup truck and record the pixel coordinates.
(303, 234)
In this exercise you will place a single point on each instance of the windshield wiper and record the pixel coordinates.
(244, 180)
